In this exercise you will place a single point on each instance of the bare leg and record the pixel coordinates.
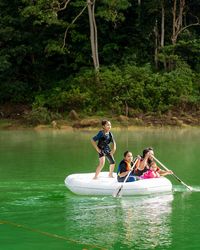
(99, 167)
(112, 166)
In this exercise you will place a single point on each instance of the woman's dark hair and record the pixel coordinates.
(103, 123)
(145, 151)
(125, 153)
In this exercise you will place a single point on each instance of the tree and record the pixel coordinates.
(178, 12)
(93, 34)
(158, 7)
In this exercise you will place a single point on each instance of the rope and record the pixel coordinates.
(48, 234)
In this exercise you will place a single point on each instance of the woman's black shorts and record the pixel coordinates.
(108, 156)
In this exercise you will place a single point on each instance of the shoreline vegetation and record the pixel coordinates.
(21, 117)
(136, 63)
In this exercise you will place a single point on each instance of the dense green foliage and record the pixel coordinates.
(38, 68)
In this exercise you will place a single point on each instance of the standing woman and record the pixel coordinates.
(101, 143)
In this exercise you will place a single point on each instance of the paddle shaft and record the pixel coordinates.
(175, 176)
(126, 178)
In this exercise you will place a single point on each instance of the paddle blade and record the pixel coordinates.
(190, 188)
(117, 192)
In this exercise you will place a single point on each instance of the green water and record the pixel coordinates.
(38, 212)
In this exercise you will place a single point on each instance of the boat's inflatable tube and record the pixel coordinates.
(83, 184)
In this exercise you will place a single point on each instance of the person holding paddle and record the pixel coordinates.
(124, 168)
(101, 142)
(143, 163)
(146, 166)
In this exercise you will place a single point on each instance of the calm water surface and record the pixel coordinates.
(38, 212)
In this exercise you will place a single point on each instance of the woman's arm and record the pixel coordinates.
(123, 174)
(142, 164)
(95, 146)
(163, 172)
(113, 147)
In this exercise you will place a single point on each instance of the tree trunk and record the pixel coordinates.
(93, 34)
(162, 40)
(156, 44)
(177, 20)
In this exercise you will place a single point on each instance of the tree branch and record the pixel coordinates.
(65, 35)
(189, 25)
(192, 24)
(65, 5)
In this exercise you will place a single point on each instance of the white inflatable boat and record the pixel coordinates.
(83, 184)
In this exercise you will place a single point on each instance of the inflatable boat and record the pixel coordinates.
(84, 184)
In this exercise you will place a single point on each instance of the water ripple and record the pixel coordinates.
(181, 188)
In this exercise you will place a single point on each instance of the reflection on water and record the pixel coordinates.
(92, 220)
(147, 221)
(130, 222)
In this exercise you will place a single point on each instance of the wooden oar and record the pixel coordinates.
(117, 192)
(175, 176)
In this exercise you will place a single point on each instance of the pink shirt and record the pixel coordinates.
(150, 174)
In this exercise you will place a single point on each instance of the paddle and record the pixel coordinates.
(190, 188)
(117, 192)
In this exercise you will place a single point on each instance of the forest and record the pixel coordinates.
(122, 57)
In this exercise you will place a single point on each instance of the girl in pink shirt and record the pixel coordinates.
(154, 172)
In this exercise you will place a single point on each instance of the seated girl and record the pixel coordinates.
(154, 172)
(125, 167)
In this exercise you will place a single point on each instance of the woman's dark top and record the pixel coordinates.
(103, 141)
(139, 172)
(123, 167)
